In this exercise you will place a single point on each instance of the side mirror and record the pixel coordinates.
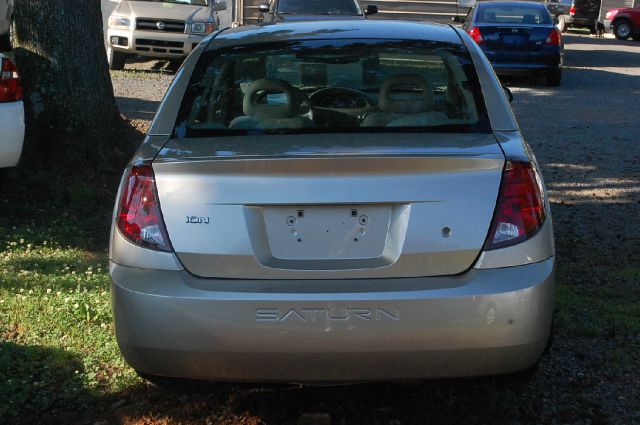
(508, 93)
(263, 8)
(371, 9)
(219, 6)
(458, 19)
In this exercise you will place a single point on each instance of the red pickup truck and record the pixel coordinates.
(624, 22)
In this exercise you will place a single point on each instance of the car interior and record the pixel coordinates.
(288, 91)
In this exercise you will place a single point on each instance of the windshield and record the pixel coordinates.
(319, 7)
(188, 2)
(506, 14)
(325, 86)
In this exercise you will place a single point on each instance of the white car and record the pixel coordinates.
(6, 11)
(11, 114)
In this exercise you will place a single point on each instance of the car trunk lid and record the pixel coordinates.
(514, 38)
(236, 209)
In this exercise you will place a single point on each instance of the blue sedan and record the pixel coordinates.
(517, 38)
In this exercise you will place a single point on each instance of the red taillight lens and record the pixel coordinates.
(520, 210)
(572, 10)
(139, 218)
(10, 87)
(476, 35)
(554, 38)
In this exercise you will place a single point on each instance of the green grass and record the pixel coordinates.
(57, 343)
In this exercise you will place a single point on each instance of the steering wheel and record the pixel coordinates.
(341, 99)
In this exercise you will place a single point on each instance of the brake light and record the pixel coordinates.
(554, 38)
(520, 210)
(476, 35)
(10, 87)
(139, 218)
(572, 10)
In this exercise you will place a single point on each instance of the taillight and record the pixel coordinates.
(572, 10)
(139, 218)
(554, 37)
(476, 35)
(520, 210)
(10, 87)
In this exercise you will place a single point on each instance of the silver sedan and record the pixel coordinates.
(333, 201)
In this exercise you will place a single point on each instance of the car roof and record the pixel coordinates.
(336, 30)
(533, 4)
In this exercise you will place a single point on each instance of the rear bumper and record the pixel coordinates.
(12, 133)
(521, 69)
(483, 322)
(550, 58)
(153, 44)
(581, 22)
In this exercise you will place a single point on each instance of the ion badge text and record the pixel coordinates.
(195, 219)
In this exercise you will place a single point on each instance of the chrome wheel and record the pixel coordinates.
(622, 30)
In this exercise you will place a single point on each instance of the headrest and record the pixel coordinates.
(420, 101)
(528, 19)
(292, 99)
(489, 17)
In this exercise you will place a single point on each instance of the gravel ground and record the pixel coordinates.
(585, 135)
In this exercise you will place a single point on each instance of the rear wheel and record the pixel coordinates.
(162, 381)
(116, 59)
(622, 29)
(554, 77)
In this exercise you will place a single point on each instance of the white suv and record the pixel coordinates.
(166, 29)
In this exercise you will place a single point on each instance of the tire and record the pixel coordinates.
(554, 77)
(162, 381)
(562, 24)
(116, 59)
(622, 29)
(174, 384)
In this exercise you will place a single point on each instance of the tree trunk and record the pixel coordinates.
(74, 129)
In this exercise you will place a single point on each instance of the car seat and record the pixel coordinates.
(489, 17)
(259, 114)
(405, 112)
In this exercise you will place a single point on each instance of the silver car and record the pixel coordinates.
(333, 201)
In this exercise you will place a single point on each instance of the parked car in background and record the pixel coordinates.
(305, 10)
(11, 114)
(165, 29)
(624, 22)
(6, 12)
(518, 38)
(331, 201)
(575, 13)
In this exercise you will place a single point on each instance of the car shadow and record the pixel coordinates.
(152, 66)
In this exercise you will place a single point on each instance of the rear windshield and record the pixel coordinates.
(325, 86)
(518, 14)
(319, 7)
(189, 2)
